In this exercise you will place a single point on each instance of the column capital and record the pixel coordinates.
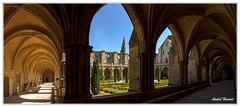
(183, 62)
(147, 54)
(78, 47)
(62, 63)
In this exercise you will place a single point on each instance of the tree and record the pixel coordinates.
(115, 75)
(159, 73)
(126, 79)
(95, 85)
(118, 75)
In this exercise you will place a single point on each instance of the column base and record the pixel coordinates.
(149, 93)
(77, 99)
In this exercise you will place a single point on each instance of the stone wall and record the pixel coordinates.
(8, 71)
(48, 76)
(173, 65)
(192, 67)
(134, 62)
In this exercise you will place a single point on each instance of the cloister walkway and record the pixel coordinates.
(221, 92)
(42, 97)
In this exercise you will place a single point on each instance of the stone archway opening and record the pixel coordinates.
(107, 74)
(165, 73)
(124, 72)
(156, 73)
(228, 73)
(48, 76)
(115, 58)
(6, 86)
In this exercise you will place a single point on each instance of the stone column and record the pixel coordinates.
(147, 74)
(77, 73)
(121, 71)
(112, 71)
(103, 71)
(62, 63)
(183, 75)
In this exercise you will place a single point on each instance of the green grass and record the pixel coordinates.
(111, 87)
(161, 83)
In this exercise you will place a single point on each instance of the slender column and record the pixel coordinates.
(121, 71)
(61, 73)
(78, 73)
(147, 74)
(183, 75)
(112, 71)
(103, 69)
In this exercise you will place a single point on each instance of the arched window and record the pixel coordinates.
(166, 60)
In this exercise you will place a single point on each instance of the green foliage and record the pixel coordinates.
(159, 74)
(95, 79)
(118, 75)
(115, 75)
(102, 77)
(126, 79)
(161, 83)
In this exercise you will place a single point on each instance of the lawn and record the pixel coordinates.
(108, 87)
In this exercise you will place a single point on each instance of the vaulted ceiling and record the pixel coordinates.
(33, 37)
(36, 33)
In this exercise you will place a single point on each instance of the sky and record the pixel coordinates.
(110, 25)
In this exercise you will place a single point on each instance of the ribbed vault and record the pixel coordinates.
(34, 38)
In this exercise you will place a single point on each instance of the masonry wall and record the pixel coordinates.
(134, 63)
(192, 67)
(204, 73)
(48, 76)
(173, 65)
(8, 72)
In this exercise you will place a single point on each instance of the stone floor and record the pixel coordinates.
(42, 97)
(221, 92)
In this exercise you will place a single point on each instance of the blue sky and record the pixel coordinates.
(110, 25)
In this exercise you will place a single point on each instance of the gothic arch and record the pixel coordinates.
(165, 72)
(107, 73)
(48, 76)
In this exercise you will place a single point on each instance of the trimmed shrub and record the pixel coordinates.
(118, 75)
(95, 79)
(126, 79)
(115, 75)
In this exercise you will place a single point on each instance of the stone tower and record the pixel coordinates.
(123, 49)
